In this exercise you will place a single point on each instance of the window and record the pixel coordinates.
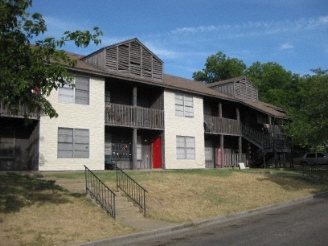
(208, 153)
(7, 142)
(310, 155)
(184, 106)
(320, 155)
(78, 94)
(185, 147)
(73, 143)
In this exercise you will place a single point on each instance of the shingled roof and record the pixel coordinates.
(178, 84)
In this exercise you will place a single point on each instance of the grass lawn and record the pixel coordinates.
(39, 212)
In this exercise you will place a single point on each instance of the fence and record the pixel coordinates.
(316, 171)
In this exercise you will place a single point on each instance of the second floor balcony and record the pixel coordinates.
(217, 125)
(21, 113)
(134, 116)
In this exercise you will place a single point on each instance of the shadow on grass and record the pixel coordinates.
(295, 182)
(18, 191)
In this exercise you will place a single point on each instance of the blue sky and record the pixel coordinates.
(183, 33)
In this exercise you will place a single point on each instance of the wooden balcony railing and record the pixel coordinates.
(219, 125)
(130, 116)
(266, 140)
(22, 112)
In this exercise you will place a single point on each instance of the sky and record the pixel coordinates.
(183, 33)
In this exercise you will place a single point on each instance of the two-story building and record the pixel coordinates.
(125, 109)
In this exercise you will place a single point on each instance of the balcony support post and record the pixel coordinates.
(134, 148)
(240, 148)
(220, 110)
(222, 150)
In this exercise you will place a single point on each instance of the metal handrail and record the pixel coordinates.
(100, 192)
(131, 188)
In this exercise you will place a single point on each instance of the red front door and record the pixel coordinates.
(157, 153)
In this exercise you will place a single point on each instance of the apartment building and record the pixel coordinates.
(125, 110)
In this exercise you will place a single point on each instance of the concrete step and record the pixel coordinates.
(126, 212)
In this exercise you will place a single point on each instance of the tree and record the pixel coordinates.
(220, 67)
(28, 73)
(309, 118)
(275, 85)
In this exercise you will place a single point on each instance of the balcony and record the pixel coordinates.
(131, 116)
(22, 112)
(217, 125)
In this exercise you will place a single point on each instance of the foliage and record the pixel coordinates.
(309, 125)
(304, 98)
(220, 67)
(275, 85)
(28, 73)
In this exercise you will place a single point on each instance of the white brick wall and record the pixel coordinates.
(183, 126)
(74, 116)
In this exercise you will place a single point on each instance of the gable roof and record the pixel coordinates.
(130, 57)
(176, 83)
(240, 87)
(200, 88)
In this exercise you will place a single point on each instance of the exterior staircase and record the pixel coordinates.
(126, 212)
(268, 145)
(125, 209)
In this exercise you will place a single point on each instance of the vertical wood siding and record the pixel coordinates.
(128, 57)
(130, 116)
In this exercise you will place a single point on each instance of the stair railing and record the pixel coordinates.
(100, 192)
(131, 188)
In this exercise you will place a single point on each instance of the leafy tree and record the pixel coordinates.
(309, 118)
(275, 85)
(220, 67)
(28, 73)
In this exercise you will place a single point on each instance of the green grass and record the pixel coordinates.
(34, 210)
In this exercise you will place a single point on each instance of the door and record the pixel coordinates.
(157, 152)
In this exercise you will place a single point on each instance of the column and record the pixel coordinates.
(135, 131)
(240, 149)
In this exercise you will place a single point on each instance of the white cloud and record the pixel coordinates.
(161, 52)
(286, 46)
(197, 29)
(256, 28)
